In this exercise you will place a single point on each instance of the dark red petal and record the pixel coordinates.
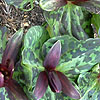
(12, 48)
(67, 87)
(1, 80)
(54, 82)
(52, 58)
(16, 90)
(41, 85)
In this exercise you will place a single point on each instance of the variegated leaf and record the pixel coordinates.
(21, 4)
(89, 86)
(34, 39)
(77, 56)
(71, 20)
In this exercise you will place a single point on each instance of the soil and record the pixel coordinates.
(15, 18)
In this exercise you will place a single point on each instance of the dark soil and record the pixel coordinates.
(15, 18)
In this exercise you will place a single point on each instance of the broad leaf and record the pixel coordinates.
(3, 40)
(96, 21)
(89, 86)
(71, 20)
(34, 39)
(77, 56)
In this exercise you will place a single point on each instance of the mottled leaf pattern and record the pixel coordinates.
(26, 73)
(89, 86)
(71, 20)
(3, 40)
(34, 39)
(21, 3)
(77, 56)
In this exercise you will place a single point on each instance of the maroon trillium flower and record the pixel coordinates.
(7, 68)
(56, 80)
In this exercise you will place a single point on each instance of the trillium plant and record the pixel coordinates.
(7, 68)
(71, 65)
(57, 81)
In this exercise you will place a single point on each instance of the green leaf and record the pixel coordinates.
(89, 86)
(21, 3)
(77, 56)
(27, 70)
(96, 21)
(3, 40)
(71, 20)
(34, 39)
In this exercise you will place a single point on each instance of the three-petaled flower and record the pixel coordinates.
(7, 68)
(56, 80)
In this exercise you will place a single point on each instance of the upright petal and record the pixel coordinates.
(1, 80)
(16, 90)
(12, 48)
(41, 85)
(52, 58)
(67, 87)
(54, 82)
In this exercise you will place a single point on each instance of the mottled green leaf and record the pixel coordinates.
(89, 86)
(21, 3)
(3, 40)
(77, 56)
(96, 21)
(34, 39)
(71, 20)
(26, 73)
